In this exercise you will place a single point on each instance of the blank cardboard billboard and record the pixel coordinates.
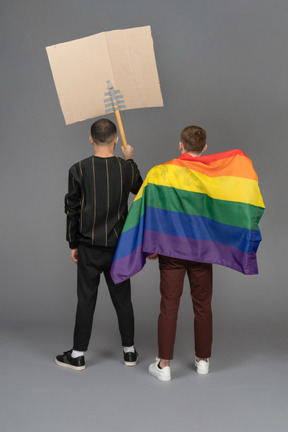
(82, 67)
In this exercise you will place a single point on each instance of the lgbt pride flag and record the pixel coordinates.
(204, 209)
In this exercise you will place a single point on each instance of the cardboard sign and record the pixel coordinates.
(82, 67)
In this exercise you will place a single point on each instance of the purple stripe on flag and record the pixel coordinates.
(183, 248)
(128, 266)
(199, 250)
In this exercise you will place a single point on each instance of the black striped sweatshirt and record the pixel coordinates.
(96, 202)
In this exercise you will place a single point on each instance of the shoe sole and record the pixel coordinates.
(66, 365)
(131, 363)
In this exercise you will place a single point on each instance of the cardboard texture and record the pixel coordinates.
(81, 68)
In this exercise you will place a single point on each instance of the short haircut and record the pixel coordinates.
(103, 131)
(193, 139)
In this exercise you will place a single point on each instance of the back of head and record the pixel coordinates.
(193, 139)
(103, 131)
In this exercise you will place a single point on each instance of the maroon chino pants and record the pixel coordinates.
(172, 273)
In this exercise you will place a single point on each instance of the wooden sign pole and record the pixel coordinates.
(116, 104)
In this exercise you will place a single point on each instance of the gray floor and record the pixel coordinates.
(245, 391)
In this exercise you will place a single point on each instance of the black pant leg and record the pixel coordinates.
(87, 289)
(121, 299)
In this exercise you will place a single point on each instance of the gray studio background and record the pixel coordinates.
(222, 65)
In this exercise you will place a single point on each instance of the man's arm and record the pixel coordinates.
(135, 173)
(73, 210)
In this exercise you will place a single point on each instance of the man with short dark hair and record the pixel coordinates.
(191, 212)
(172, 273)
(96, 208)
(193, 139)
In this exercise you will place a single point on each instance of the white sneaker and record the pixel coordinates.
(202, 366)
(163, 374)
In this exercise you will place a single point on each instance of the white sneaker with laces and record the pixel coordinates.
(202, 366)
(163, 374)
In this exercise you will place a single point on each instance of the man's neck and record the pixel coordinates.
(103, 152)
(193, 154)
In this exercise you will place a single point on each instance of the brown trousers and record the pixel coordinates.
(172, 273)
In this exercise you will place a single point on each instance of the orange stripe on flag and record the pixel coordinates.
(236, 166)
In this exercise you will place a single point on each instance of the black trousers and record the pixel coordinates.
(91, 263)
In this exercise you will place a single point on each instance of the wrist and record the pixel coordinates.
(73, 245)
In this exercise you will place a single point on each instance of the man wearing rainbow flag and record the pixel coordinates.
(172, 273)
(191, 212)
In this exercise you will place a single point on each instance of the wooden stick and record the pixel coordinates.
(121, 129)
(117, 113)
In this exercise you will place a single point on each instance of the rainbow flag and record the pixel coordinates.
(204, 209)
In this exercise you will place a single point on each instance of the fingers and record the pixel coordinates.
(74, 255)
(127, 152)
(153, 257)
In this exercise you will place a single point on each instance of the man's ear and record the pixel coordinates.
(115, 142)
(204, 149)
(91, 140)
(181, 147)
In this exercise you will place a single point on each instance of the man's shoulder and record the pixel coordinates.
(85, 161)
(126, 164)
(124, 161)
(121, 160)
(80, 163)
(163, 165)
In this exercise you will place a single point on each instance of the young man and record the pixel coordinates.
(172, 273)
(192, 211)
(96, 208)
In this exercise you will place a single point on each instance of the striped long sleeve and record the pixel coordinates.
(72, 210)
